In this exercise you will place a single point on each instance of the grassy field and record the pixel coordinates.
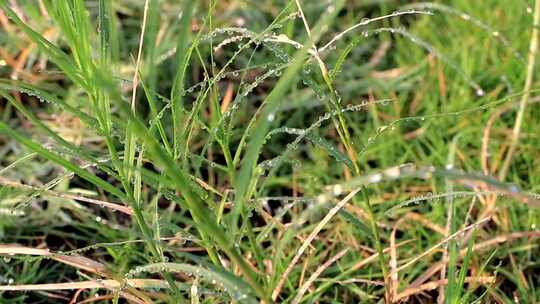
(269, 151)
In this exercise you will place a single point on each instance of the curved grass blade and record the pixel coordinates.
(429, 172)
(272, 102)
(35, 147)
(238, 289)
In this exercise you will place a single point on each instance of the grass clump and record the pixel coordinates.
(268, 152)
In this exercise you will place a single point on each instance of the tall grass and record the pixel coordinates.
(271, 160)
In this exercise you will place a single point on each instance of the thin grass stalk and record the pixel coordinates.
(531, 63)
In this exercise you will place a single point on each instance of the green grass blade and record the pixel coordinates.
(35, 147)
(182, 58)
(238, 290)
(272, 101)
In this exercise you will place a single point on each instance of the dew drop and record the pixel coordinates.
(375, 178)
(337, 190)
(514, 189)
(392, 172)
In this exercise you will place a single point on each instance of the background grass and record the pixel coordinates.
(205, 152)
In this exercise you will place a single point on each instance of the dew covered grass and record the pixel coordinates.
(269, 151)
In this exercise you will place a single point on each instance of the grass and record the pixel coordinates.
(269, 152)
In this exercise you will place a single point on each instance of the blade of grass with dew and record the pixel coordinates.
(205, 222)
(67, 146)
(182, 58)
(71, 18)
(150, 74)
(493, 33)
(35, 147)
(429, 172)
(131, 144)
(238, 290)
(419, 83)
(272, 101)
(339, 156)
(131, 147)
(74, 22)
(343, 57)
(451, 226)
(156, 118)
(335, 99)
(45, 96)
(198, 103)
(254, 38)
